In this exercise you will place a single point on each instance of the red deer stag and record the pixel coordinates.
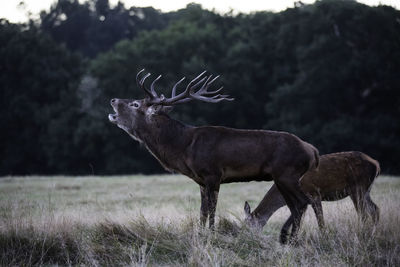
(339, 175)
(213, 155)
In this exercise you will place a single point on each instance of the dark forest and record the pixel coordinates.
(328, 72)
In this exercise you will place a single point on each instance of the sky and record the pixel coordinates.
(11, 10)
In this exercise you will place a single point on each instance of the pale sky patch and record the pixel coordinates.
(9, 8)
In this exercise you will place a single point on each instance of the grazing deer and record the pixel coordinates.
(339, 175)
(213, 155)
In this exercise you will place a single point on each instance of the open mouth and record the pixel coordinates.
(112, 117)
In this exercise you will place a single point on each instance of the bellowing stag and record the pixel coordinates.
(213, 155)
(339, 175)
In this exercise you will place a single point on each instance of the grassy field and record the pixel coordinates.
(153, 220)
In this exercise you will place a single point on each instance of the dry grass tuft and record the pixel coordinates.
(37, 228)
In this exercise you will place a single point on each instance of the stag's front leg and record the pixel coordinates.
(204, 206)
(212, 196)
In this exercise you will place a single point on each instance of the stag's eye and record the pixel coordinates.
(134, 104)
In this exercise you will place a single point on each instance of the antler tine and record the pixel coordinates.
(216, 99)
(213, 92)
(194, 80)
(213, 80)
(203, 88)
(137, 77)
(153, 91)
(174, 88)
(213, 97)
(193, 87)
(144, 79)
(143, 86)
(140, 83)
(208, 85)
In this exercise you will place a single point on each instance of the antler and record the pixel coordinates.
(188, 94)
(152, 94)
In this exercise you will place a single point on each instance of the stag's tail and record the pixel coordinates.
(378, 168)
(312, 152)
(316, 157)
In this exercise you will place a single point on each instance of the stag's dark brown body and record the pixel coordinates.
(339, 175)
(212, 155)
(235, 155)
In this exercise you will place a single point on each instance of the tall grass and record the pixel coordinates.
(36, 228)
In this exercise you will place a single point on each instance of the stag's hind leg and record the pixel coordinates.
(285, 230)
(297, 222)
(296, 201)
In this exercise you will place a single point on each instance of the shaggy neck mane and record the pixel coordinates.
(166, 139)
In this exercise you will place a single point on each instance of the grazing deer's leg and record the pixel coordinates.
(364, 205)
(357, 198)
(372, 208)
(368, 208)
(317, 207)
(204, 206)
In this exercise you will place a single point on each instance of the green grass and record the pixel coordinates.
(153, 220)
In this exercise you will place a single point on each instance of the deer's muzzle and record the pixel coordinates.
(113, 117)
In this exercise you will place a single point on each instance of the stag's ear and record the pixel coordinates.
(247, 209)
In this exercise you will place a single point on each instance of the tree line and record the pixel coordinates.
(327, 72)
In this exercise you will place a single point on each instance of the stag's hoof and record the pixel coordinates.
(283, 239)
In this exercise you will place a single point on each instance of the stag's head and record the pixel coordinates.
(130, 114)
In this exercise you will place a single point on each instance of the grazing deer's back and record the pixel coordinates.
(338, 172)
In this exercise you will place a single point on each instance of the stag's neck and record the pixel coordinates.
(166, 139)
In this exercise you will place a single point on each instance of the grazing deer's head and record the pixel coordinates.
(250, 218)
(131, 114)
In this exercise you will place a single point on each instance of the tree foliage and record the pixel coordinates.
(38, 107)
(94, 26)
(327, 72)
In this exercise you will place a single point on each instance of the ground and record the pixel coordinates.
(153, 220)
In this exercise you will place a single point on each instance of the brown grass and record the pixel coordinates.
(153, 220)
